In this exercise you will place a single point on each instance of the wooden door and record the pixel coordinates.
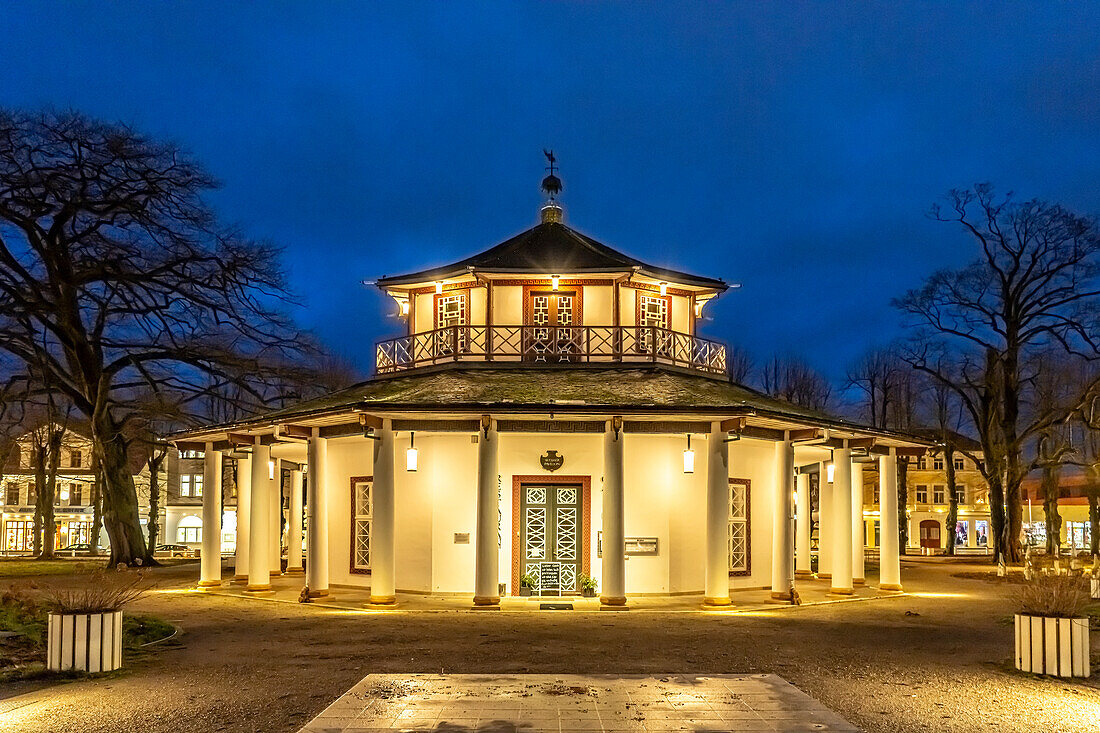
(930, 534)
(552, 331)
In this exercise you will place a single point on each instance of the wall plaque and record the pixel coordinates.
(462, 538)
(551, 461)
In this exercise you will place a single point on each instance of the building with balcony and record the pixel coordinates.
(550, 416)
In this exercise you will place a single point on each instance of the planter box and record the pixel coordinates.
(588, 593)
(1054, 646)
(85, 642)
(524, 591)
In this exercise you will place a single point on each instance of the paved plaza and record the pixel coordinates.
(537, 703)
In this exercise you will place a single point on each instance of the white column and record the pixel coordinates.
(382, 583)
(614, 533)
(487, 553)
(317, 509)
(210, 574)
(802, 528)
(244, 518)
(294, 525)
(259, 540)
(824, 522)
(782, 542)
(276, 508)
(841, 556)
(889, 572)
(857, 524)
(717, 571)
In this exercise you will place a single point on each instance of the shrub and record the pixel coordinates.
(1054, 595)
(104, 591)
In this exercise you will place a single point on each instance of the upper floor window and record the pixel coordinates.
(939, 494)
(75, 458)
(11, 493)
(960, 463)
(192, 454)
(922, 494)
(450, 310)
(937, 463)
(960, 494)
(191, 484)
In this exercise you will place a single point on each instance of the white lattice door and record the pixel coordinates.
(550, 526)
(553, 319)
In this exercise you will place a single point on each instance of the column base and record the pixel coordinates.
(294, 571)
(486, 601)
(613, 603)
(320, 593)
(382, 603)
(859, 581)
(804, 574)
(825, 576)
(890, 587)
(778, 596)
(720, 601)
(239, 579)
(210, 584)
(265, 588)
(834, 591)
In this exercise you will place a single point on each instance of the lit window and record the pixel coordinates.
(362, 501)
(960, 494)
(192, 454)
(939, 494)
(191, 484)
(653, 317)
(75, 458)
(450, 311)
(738, 527)
(922, 494)
(11, 493)
(189, 530)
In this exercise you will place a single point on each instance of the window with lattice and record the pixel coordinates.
(450, 311)
(738, 528)
(362, 511)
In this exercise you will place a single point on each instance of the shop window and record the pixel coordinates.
(981, 533)
(939, 494)
(961, 533)
(189, 530)
(18, 536)
(738, 535)
(362, 497)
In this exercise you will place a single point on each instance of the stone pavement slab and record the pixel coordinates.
(534, 703)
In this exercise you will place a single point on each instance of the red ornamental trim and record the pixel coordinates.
(578, 296)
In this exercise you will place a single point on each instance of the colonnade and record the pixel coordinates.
(840, 557)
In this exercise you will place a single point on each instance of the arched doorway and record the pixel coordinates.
(930, 534)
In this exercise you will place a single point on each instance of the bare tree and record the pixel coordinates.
(740, 364)
(793, 380)
(1031, 288)
(116, 279)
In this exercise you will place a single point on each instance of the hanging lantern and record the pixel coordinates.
(829, 470)
(411, 454)
(689, 458)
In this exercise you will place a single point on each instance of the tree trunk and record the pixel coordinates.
(39, 460)
(903, 504)
(54, 439)
(120, 506)
(953, 501)
(1014, 470)
(154, 498)
(1094, 520)
(1050, 509)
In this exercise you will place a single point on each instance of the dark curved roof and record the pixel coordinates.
(551, 247)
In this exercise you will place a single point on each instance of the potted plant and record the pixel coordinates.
(1052, 634)
(84, 631)
(528, 583)
(588, 586)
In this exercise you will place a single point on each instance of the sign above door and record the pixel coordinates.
(551, 461)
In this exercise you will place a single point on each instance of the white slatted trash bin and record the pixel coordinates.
(85, 642)
(1054, 646)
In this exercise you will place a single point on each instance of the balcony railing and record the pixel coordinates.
(550, 345)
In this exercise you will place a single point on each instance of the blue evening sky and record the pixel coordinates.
(794, 148)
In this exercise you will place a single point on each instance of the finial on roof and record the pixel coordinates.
(551, 210)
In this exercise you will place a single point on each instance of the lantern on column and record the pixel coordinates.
(829, 470)
(411, 454)
(689, 458)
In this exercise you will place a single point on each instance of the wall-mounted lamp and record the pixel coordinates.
(689, 458)
(664, 288)
(554, 282)
(829, 470)
(404, 307)
(411, 454)
(439, 288)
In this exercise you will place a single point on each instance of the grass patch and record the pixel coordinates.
(26, 568)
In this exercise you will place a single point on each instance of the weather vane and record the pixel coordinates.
(551, 184)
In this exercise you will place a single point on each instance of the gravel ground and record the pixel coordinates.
(246, 665)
